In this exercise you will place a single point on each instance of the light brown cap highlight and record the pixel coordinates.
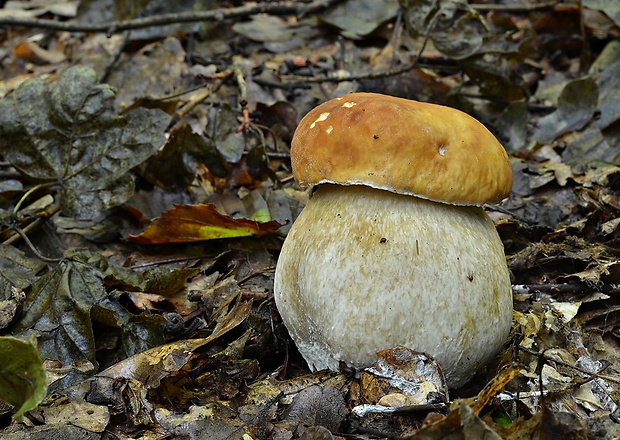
(403, 146)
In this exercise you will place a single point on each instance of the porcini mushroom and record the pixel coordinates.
(394, 247)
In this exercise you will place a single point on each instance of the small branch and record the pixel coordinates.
(575, 288)
(306, 82)
(115, 57)
(198, 99)
(279, 8)
(516, 8)
(42, 217)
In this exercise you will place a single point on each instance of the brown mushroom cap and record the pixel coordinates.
(403, 146)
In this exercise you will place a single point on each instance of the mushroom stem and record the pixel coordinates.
(364, 269)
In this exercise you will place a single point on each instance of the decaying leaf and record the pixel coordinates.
(57, 310)
(188, 223)
(612, 9)
(61, 306)
(86, 415)
(68, 134)
(403, 377)
(214, 421)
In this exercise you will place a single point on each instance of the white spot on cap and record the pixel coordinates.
(329, 129)
(442, 150)
(349, 104)
(321, 118)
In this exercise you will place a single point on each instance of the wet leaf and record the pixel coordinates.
(156, 72)
(188, 223)
(459, 42)
(419, 14)
(448, 23)
(23, 383)
(68, 134)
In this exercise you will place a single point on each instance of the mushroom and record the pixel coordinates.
(394, 248)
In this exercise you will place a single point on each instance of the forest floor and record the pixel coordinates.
(146, 190)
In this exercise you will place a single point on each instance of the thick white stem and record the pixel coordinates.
(364, 270)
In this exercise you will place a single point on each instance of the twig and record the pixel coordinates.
(33, 249)
(516, 8)
(568, 288)
(42, 216)
(279, 8)
(306, 82)
(208, 91)
(115, 57)
(335, 79)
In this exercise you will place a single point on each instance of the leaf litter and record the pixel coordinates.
(178, 335)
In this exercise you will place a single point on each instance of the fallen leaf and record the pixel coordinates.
(69, 134)
(577, 104)
(189, 223)
(611, 9)
(360, 17)
(86, 415)
(212, 421)
(22, 378)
